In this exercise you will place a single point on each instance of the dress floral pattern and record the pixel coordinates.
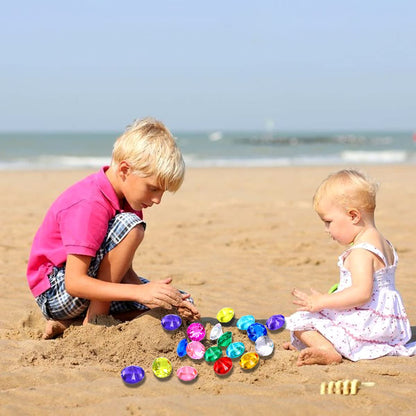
(378, 328)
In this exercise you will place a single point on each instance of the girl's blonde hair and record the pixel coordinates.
(350, 189)
(150, 149)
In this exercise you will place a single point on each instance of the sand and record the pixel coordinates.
(241, 238)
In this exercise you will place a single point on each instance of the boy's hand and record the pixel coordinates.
(188, 310)
(159, 294)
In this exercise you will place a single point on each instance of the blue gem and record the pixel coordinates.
(181, 348)
(235, 349)
(256, 330)
(171, 322)
(275, 322)
(132, 374)
(245, 321)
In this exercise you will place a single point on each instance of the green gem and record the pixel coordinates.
(225, 339)
(212, 354)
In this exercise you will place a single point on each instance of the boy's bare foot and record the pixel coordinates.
(55, 328)
(313, 355)
(288, 346)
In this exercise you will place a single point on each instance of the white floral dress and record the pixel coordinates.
(378, 328)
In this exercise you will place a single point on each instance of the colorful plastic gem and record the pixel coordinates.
(212, 354)
(223, 366)
(171, 322)
(181, 348)
(249, 360)
(216, 332)
(235, 349)
(225, 315)
(264, 346)
(256, 330)
(162, 367)
(333, 288)
(275, 322)
(186, 373)
(195, 350)
(132, 374)
(196, 331)
(225, 339)
(245, 321)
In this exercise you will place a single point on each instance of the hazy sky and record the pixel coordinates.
(229, 64)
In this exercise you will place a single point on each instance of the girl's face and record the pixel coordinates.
(339, 223)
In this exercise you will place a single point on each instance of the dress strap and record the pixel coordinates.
(376, 251)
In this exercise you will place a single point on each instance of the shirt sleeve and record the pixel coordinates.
(83, 227)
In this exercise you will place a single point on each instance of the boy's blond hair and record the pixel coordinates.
(150, 149)
(350, 189)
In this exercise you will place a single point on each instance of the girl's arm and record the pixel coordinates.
(360, 263)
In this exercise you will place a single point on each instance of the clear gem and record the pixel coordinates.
(195, 350)
(223, 365)
(245, 321)
(225, 339)
(196, 331)
(275, 322)
(249, 360)
(264, 346)
(162, 367)
(171, 322)
(187, 373)
(132, 374)
(235, 349)
(256, 330)
(216, 332)
(181, 348)
(212, 354)
(225, 315)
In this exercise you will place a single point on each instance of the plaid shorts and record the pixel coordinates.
(56, 303)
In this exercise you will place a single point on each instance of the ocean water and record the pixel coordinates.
(36, 150)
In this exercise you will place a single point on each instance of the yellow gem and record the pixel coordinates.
(162, 367)
(249, 360)
(225, 315)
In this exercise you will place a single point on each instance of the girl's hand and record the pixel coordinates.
(310, 303)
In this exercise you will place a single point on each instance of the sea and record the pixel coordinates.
(91, 150)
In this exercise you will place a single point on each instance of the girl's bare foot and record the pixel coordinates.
(288, 346)
(313, 355)
(55, 328)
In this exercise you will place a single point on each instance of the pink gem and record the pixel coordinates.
(196, 331)
(187, 373)
(195, 350)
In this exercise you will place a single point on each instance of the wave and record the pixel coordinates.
(66, 162)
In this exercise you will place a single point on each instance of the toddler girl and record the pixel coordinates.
(365, 317)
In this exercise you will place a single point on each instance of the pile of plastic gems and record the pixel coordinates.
(220, 353)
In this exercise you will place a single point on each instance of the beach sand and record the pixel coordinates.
(239, 238)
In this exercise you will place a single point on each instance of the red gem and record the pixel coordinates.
(223, 365)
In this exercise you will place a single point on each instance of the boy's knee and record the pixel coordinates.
(136, 234)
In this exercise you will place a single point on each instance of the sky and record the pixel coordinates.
(96, 65)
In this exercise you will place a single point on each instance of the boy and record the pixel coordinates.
(80, 263)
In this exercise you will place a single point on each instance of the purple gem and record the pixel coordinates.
(132, 374)
(171, 322)
(275, 322)
(196, 331)
(256, 330)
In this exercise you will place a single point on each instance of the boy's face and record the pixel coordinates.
(141, 193)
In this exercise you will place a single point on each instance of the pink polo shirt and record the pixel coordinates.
(76, 223)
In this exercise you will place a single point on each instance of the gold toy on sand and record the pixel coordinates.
(344, 387)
